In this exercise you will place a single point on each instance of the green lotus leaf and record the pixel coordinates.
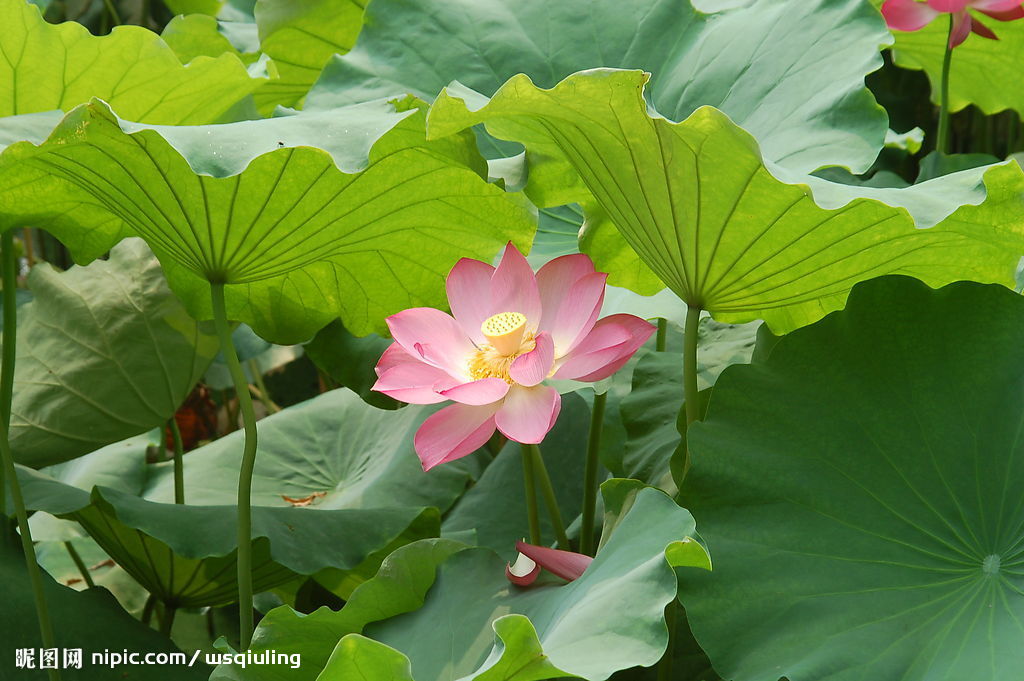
(983, 72)
(104, 352)
(121, 466)
(795, 80)
(361, 485)
(400, 585)
(200, 35)
(517, 656)
(301, 36)
(583, 627)
(296, 240)
(858, 490)
(91, 620)
(46, 67)
(358, 657)
(452, 597)
(696, 202)
(334, 446)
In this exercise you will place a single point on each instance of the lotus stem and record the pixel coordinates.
(662, 335)
(10, 301)
(590, 473)
(7, 360)
(690, 392)
(942, 138)
(532, 516)
(179, 463)
(112, 11)
(692, 406)
(550, 500)
(80, 564)
(220, 318)
(264, 396)
(167, 621)
(147, 609)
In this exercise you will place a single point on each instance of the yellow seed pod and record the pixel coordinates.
(504, 331)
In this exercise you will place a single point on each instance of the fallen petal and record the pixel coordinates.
(523, 572)
(568, 565)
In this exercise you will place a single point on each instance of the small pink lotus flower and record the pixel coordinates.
(909, 15)
(565, 564)
(511, 330)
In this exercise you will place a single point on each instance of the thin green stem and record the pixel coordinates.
(10, 292)
(147, 609)
(550, 500)
(690, 393)
(264, 396)
(532, 515)
(167, 621)
(942, 138)
(591, 473)
(112, 11)
(80, 564)
(662, 335)
(7, 357)
(34, 572)
(10, 284)
(179, 463)
(692, 406)
(227, 348)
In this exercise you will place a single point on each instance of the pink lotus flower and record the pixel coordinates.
(511, 330)
(909, 15)
(565, 564)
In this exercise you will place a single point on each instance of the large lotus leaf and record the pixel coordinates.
(334, 447)
(790, 71)
(860, 491)
(158, 545)
(360, 657)
(200, 35)
(518, 655)
(296, 240)
(696, 202)
(464, 619)
(121, 466)
(399, 586)
(46, 67)
(983, 72)
(495, 507)
(91, 620)
(104, 352)
(361, 481)
(611, 618)
(300, 36)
